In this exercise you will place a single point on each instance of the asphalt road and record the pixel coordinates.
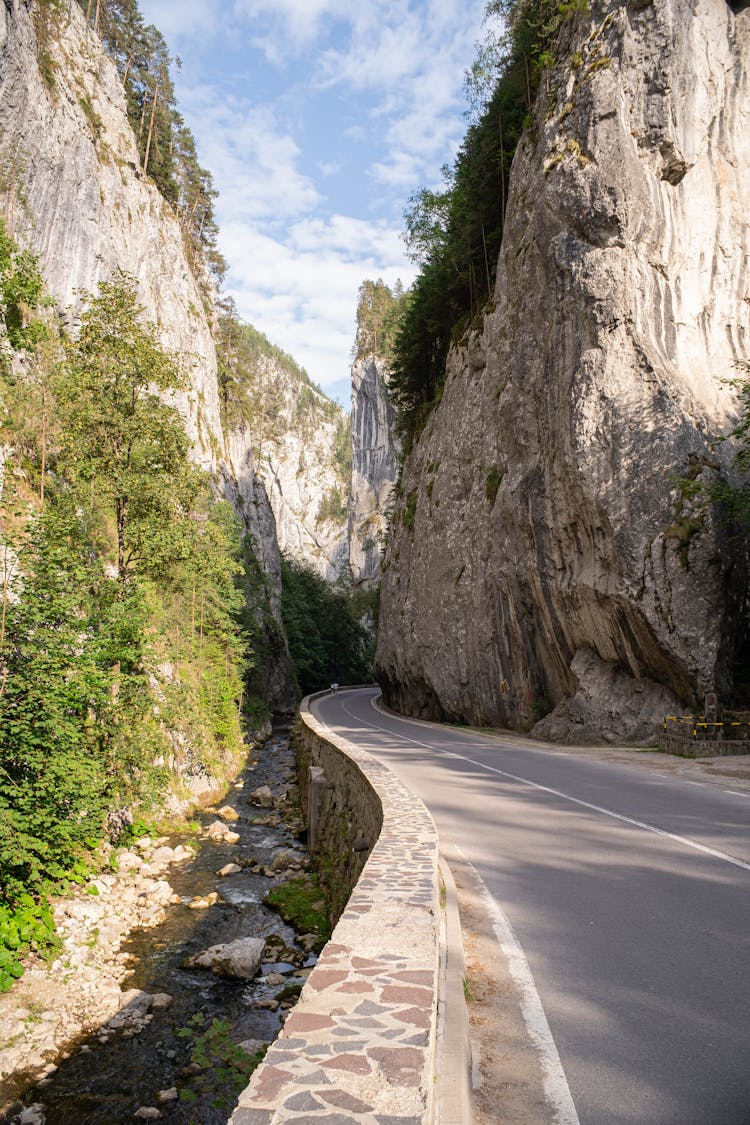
(628, 892)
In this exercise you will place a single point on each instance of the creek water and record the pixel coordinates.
(106, 1083)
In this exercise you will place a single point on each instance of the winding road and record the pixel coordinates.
(619, 893)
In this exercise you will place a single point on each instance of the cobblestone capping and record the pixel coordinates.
(702, 747)
(359, 1047)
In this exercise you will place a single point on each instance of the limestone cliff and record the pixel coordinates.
(543, 559)
(72, 190)
(301, 444)
(374, 467)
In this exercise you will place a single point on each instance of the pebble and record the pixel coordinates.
(148, 1113)
(169, 1095)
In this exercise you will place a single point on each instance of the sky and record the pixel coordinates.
(317, 120)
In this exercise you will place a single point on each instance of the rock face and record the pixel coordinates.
(301, 448)
(375, 452)
(541, 544)
(73, 192)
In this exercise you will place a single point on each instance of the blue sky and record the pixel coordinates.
(317, 119)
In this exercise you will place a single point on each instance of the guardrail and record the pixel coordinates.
(695, 736)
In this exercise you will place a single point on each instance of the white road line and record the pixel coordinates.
(556, 1089)
(684, 840)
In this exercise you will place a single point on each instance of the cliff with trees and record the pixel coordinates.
(562, 375)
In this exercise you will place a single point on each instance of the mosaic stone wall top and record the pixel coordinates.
(359, 1047)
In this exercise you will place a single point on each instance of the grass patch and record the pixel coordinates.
(301, 904)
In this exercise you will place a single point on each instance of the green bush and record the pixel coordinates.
(327, 643)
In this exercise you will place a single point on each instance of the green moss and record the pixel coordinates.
(300, 903)
(492, 482)
(410, 509)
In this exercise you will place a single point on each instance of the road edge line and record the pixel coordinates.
(453, 1054)
(556, 1089)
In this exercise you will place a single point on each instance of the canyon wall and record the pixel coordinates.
(73, 192)
(544, 562)
(302, 455)
(375, 451)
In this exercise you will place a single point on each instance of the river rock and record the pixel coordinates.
(218, 831)
(204, 901)
(160, 1001)
(32, 1115)
(229, 869)
(241, 958)
(285, 860)
(252, 1046)
(262, 796)
(169, 1095)
(182, 853)
(148, 1113)
(228, 813)
(128, 861)
(161, 858)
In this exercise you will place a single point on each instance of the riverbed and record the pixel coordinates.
(147, 1056)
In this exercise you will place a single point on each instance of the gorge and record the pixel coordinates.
(525, 503)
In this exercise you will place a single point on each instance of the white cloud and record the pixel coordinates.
(175, 17)
(291, 24)
(253, 159)
(302, 290)
(385, 78)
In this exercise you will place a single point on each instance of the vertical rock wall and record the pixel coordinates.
(73, 192)
(375, 451)
(543, 557)
(296, 459)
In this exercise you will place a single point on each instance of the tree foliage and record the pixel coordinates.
(326, 641)
(456, 233)
(379, 311)
(122, 644)
(118, 436)
(166, 145)
(21, 293)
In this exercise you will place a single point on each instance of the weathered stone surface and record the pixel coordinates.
(262, 797)
(217, 830)
(296, 458)
(241, 958)
(375, 452)
(229, 869)
(76, 196)
(226, 812)
(546, 520)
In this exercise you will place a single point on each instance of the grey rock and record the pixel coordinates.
(226, 812)
(241, 958)
(375, 452)
(545, 517)
(219, 831)
(229, 869)
(262, 797)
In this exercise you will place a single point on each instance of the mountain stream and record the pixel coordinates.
(158, 1062)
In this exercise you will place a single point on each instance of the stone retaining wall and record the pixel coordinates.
(343, 814)
(359, 1047)
(688, 747)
